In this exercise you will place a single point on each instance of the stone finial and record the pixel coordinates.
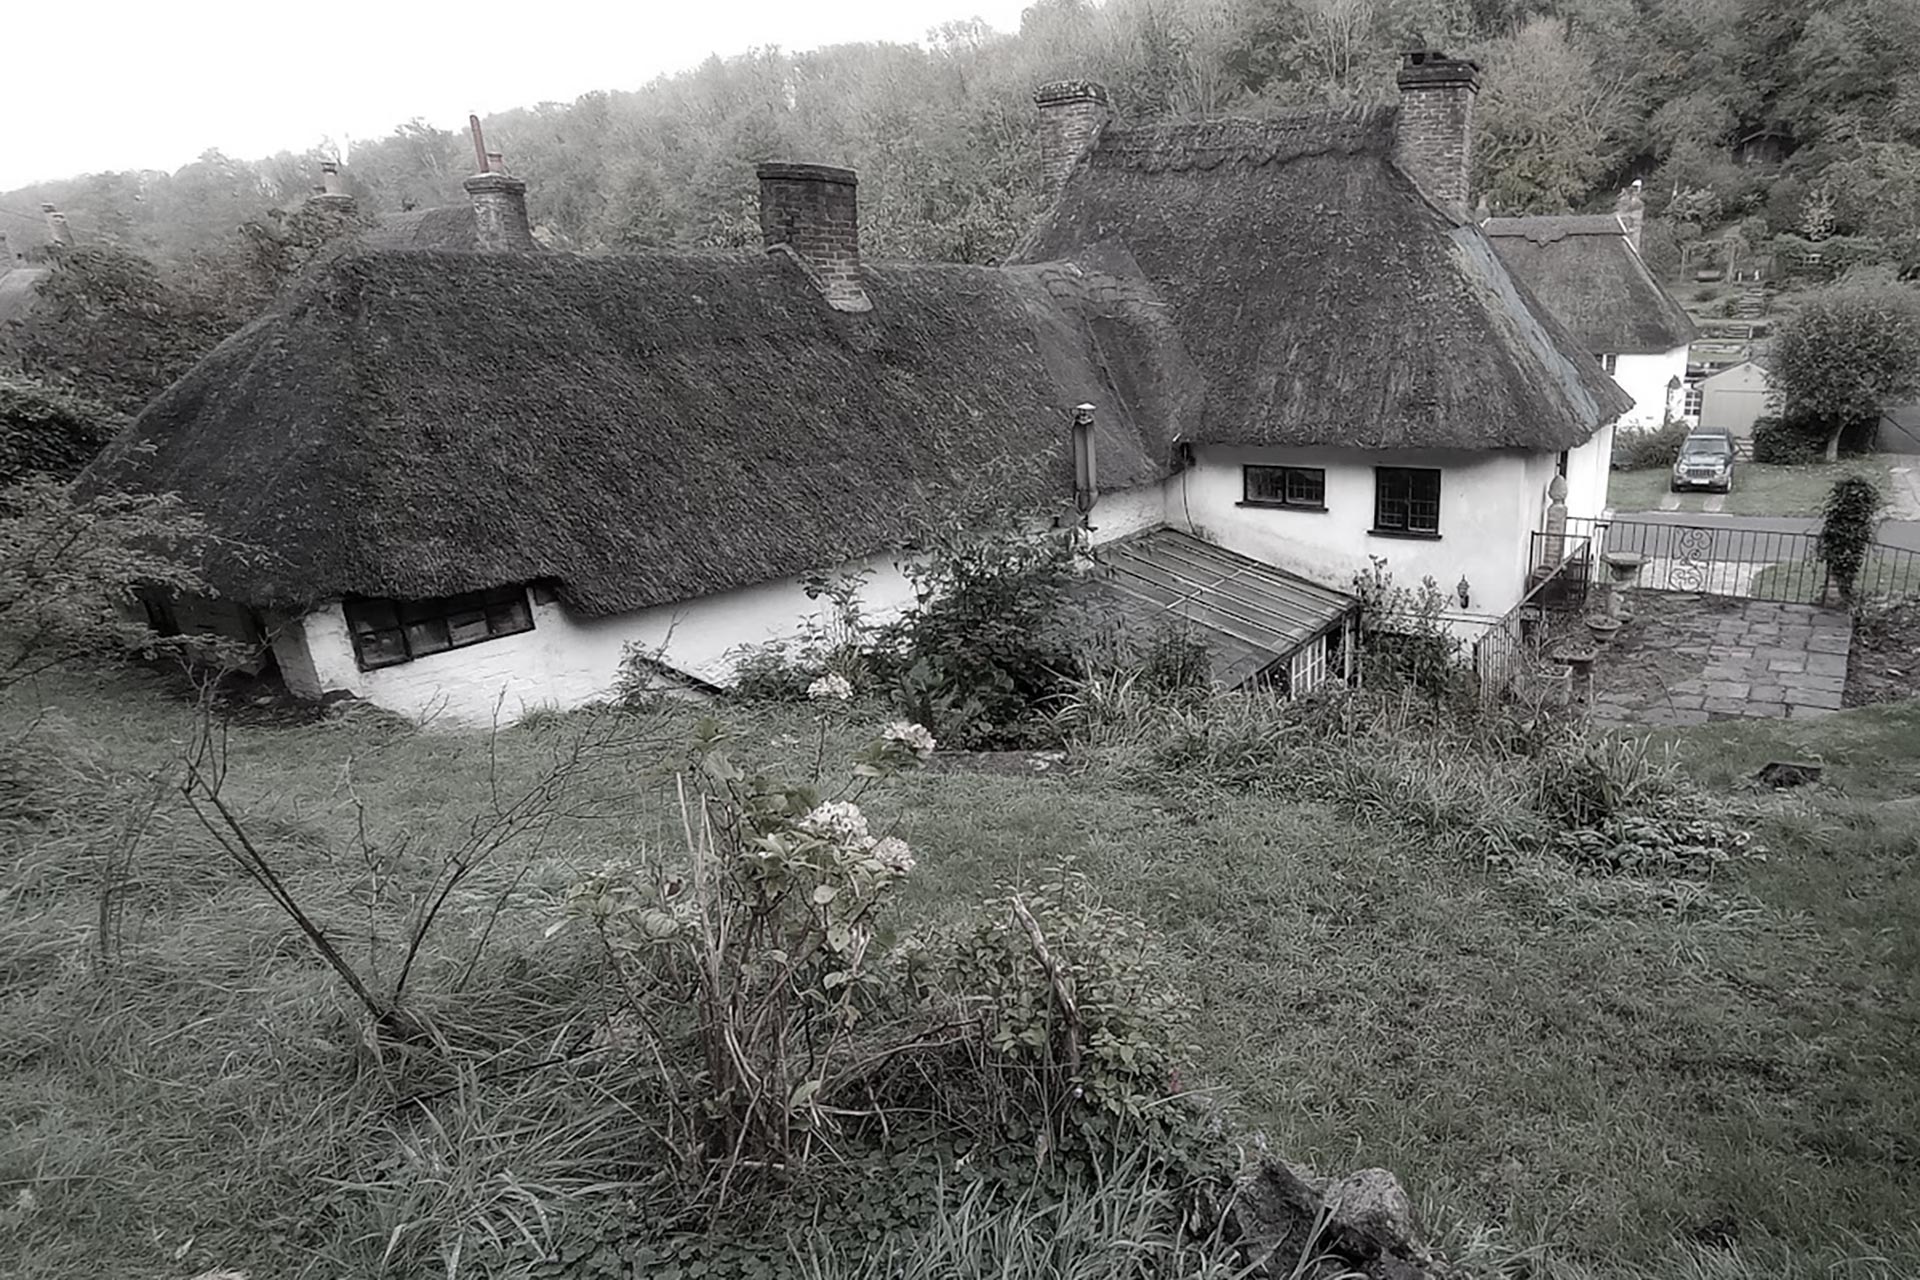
(1072, 113)
(812, 211)
(1433, 138)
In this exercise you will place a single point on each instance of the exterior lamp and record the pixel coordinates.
(1464, 591)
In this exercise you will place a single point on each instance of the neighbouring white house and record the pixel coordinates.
(459, 477)
(1735, 398)
(1586, 270)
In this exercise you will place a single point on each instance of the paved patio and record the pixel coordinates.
(1687, 659)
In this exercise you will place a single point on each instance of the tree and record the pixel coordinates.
(1851, 348)
(1546, 122)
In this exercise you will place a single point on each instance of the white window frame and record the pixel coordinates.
(1307, 669)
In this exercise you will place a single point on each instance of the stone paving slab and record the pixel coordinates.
(1687, 659)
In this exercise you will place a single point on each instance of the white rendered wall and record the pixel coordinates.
(1490, 504)
(1648, 379)
(1588, 469)
(567, 660)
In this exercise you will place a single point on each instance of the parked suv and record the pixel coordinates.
(1705, 462)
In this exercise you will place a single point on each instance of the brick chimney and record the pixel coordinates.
(812, 212)
(1631, 209)
(1433, 142)
(59, 234)
(333, 192)
(1071, 113)
(499, 212)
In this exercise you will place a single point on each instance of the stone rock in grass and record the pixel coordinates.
(1372, 1217)
(1275, 1209)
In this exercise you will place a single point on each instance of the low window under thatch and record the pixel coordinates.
(1406, 501)
(389, 632)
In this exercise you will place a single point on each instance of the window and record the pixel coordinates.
(1308, 670)
(1610, 362)
(1406, 500)
(1690, 407)
(388, 632)
(1560, 465)
(1285, 487)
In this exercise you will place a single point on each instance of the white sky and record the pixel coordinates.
(87, 85)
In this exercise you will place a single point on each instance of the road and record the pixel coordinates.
(1893, 533)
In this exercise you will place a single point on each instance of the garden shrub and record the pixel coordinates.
(1847, 527)
(1404, 637)
(1654, 447)
(1778, 442)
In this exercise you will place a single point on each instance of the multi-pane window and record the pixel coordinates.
(1610, 362)
(388, 632)
(1285, 487)
(1406, 500)
(1308, 670)
(1695, 397)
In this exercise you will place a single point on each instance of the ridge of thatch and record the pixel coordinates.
(449, 227)
(636, 430)
(1317, 296)
(1586, 271)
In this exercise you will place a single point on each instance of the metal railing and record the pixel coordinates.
(1520, 644)
(1747, 564)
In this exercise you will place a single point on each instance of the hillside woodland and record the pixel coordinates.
(1781, 118)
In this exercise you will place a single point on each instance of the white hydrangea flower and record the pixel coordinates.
(893, 854)
(917, 738)
(832, 687)
(838, 820)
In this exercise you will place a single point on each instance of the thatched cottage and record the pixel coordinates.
(473, 477)
(1587, 271)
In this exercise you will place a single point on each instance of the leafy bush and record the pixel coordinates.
(48, 431)
(1779, 442)
(1654, 447)
(1849, 349)
(1404, 636)
(1847, 527)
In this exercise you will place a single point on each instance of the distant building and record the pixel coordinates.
(1587, 271)
(1733, 399)
(1899, 429)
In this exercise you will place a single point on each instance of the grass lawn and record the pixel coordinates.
(1645, 1079)
(1895, 576)
(1758, 489)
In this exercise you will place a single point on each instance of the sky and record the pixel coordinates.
(150, 84)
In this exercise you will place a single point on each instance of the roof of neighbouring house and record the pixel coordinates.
(1316, 295)
(443, 227)
(1747, 371)
(1589, 275)
(638, 430)
(1905, 416)
(19, 290)
(1250, 614)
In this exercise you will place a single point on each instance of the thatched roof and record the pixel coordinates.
(19, 290)
(1588, 274)
(637, 430)
(442, 227)
(1316, 296)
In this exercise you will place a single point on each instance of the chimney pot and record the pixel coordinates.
(59, 234)
(499, 213)
(1071, 114)
(332, 193)
(1433, 138)
(812, 211)
(496, 162)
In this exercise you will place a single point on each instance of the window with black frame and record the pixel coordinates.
(389, 632)
(1406, 501)
(1302, 487)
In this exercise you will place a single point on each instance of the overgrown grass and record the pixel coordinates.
(1618, 1076)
